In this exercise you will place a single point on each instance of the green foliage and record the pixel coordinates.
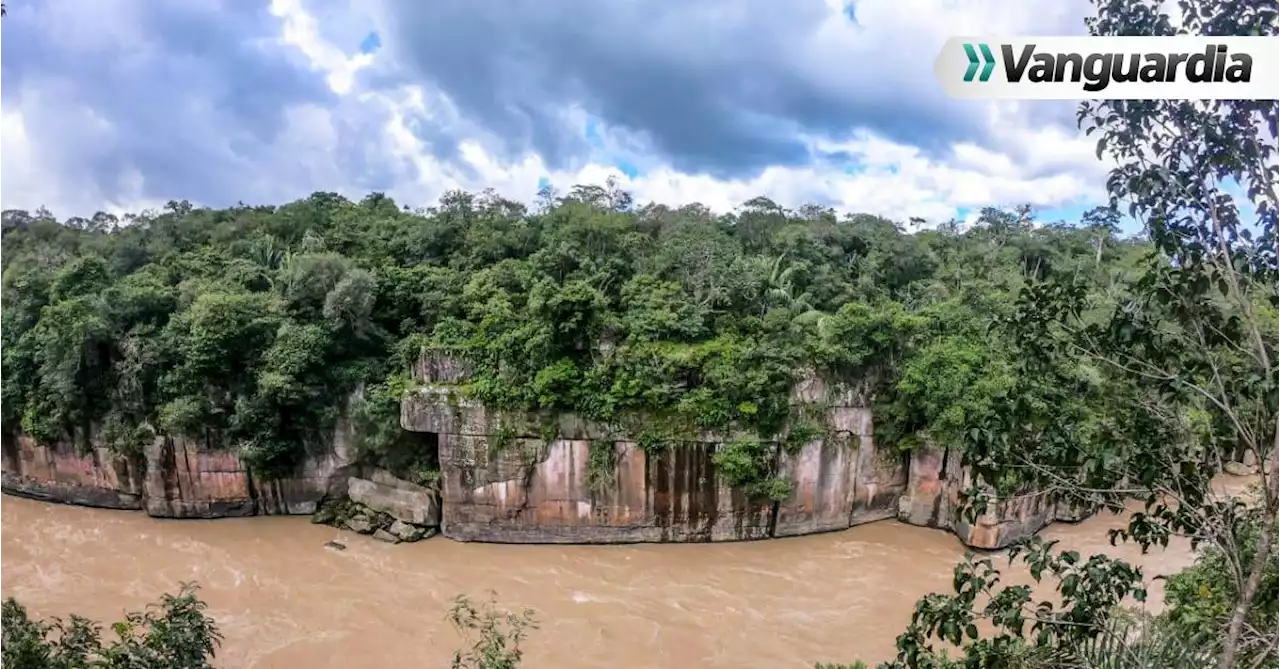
(377, 436)
(602, 465)
(502, 438)
(1143, 388)
(493, 636)
(255, 328)
(1129, 642)
(1088, 591)
(1200, 599)
(751, 465)
(173, 634)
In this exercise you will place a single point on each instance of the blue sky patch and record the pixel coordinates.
(371, 43)
(627, 168)
(851, 11)
(1069, 214)
(592, 133)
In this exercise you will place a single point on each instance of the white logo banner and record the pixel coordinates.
(1110, 68)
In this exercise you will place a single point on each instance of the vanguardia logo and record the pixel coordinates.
(1178, 67)
(1097, 71)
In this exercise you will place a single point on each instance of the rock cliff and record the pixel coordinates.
(932, 497)
(520, 477)
(175, 478)
(526, 478)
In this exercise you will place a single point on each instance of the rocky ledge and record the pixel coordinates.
(388, 508)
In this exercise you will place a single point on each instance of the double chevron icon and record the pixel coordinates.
(988, 62)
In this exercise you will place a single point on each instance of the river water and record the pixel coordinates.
(284, 600)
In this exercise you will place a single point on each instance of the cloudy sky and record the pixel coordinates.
(129, 103)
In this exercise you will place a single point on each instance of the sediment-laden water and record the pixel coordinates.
(284, 600)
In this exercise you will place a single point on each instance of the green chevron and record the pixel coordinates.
(973, 62)
(988, 62)
(991, 62)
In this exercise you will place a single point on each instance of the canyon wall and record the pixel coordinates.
(175, 477)
(538, 487)
(522, 477)
(932, 499)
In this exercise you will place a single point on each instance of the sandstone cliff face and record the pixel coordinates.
(176, 478)
(523, 478)
(539, 486)
(937, 477)
(58, 474)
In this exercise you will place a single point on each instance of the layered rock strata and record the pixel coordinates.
(519, 477)
(522, 477)
(175, 477)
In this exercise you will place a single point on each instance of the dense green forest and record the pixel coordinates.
(252, 325)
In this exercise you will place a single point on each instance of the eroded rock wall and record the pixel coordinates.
(932, 499)
(520, 477)
(524, 478)
(544, 492)
(176, 477)
(59, 473)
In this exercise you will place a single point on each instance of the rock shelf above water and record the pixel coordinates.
(539, 490)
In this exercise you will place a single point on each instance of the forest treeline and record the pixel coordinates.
(251, 325)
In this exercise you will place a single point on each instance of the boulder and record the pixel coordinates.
(406, 531)
(324, 515)
(403, 501)
(383, 535)
(1239, 469)
(360, 524)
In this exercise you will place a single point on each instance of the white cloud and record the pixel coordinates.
(19, 170)
(301, 30)
(1044, 166)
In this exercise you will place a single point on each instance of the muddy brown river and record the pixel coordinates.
(283, 600)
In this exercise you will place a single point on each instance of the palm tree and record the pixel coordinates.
(781, 290)
(1133, 642)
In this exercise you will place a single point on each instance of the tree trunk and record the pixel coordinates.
(1244, 599)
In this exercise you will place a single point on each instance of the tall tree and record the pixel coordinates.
(1187, 355)
(1182, 166)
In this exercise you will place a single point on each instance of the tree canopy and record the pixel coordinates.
(1189, 359)
(250, 326)
(175, 632)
